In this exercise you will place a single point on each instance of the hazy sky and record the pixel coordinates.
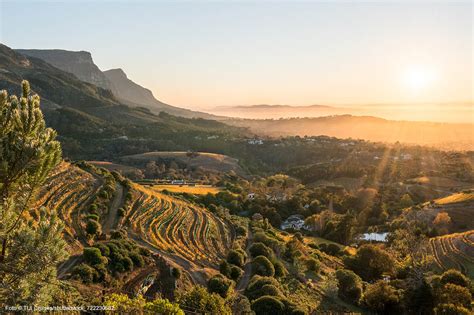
(210, 53)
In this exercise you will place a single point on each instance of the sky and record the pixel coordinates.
(200, 54)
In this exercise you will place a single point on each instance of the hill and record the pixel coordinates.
(208, 161)
(443, 135)
(80, 64)
(91, 122)
(181, 234)
(454, 251)
(278, 111)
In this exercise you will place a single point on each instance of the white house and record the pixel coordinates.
(255, 141)
(294, 221)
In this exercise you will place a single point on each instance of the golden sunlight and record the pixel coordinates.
(418, 78)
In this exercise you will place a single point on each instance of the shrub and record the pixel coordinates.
(313, 264)
(269, 289)
(84, 272)
(382, 297)
(94, 217)
(330, 249)
(260, 249)
(268, 305)
(199, 298)
(454, 277)
(370, 262)
(262, 266)
(176, 272)
(455, 294)
(451, 309)
(235, 273)
(220, 285)
(92, 256)
(104, 250)
(137, 259)
(235, 258)
(241, 231)
(280, 270)
(256, 284)
(225, 268)
(350, 286)
(163, 307)
(121, 212)
(93, 227)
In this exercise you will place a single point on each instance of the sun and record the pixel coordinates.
(418, 78)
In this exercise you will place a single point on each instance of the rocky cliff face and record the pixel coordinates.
(126, 89)
(79, 63)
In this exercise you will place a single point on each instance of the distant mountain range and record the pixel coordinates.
(264, 111)
(81, 64)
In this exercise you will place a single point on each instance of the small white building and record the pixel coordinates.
(251, 196)
(294, 221)
(255, 141)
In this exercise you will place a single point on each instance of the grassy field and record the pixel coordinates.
(209, 161)
(456, 198)
(196, 190)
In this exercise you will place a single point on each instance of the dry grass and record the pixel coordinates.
(195, 190)
(456, 198)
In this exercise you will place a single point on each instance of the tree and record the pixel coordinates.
(260, 249)
(370, 262)
(442, 221)
(313, 264)
(268, 305)
(93, 228)
(163, 307)
(220, 285)
(350, 286)
(382, 297)
(262, 266)
(235, 258)
(455, 294)
(255, 287)
(200, 300)
(406, 201)
(29, 249)
(454, 277)
(121, 303)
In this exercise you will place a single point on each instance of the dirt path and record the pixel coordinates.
(244, 281)
(112, 217)
(68, 264)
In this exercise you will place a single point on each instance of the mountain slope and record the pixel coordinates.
(80, 64)
(91, 121)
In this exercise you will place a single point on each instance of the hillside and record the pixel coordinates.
(90, 120)
(181, 234)
(128, 92)
(454, 251)
(442, 135)
(208, 161)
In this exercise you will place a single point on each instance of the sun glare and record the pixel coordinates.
(418, 78)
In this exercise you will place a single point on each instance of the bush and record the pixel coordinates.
(313, 264)
(121, 212)
(256, 284)
(199, 298)
(262, 266)
(104, 250)
(280, 270)
(176, 272)
(268, 305)
(330, 249)
(225, 268)
(271, 290)
(85, 272)
(382, 297)
(93, 227)
(241, 231)
(235, 273)
(93, 256)
(163, 307)
(350, 286)
(220, 285)
(94, 217)
(455, 294)
(370, 262)
(260, 249)
(454, 277)
(451, 309)
(236, 258)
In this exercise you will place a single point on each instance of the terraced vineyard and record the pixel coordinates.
(454, 251)
(67, 191)
(178, 229)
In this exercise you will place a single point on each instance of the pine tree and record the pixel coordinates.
(29, 248)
